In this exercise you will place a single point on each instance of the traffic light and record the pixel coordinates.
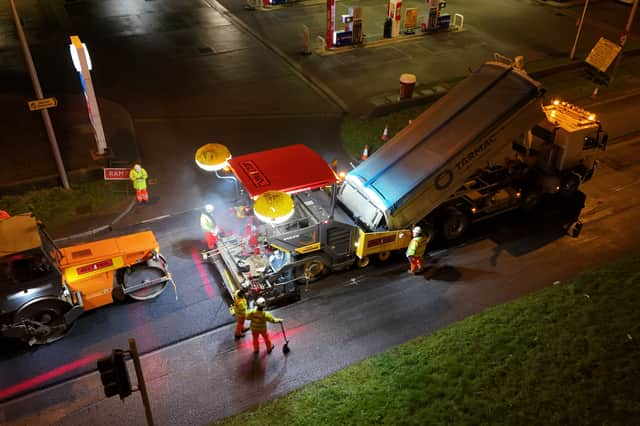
(114, 374)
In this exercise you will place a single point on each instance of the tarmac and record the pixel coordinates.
(184, 367)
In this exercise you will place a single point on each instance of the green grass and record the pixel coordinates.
(355, 132)
(568, 354)
(58, 207)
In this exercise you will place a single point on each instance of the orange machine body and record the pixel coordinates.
(90, 268)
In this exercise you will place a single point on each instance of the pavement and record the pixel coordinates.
(188, 368)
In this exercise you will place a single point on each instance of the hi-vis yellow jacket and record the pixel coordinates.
(139, 178)
(259, 319)
(239, 305)
(417, 246)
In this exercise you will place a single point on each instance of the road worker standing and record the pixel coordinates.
(415, 251)
(138, 176)
(209, 227)
(240, 310)
(259, 317)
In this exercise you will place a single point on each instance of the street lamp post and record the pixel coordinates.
(627, 28)
(36, 87)
(623, 38)
(575, 43)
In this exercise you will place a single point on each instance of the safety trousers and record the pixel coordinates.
(212, 239)
(416, 263)
(239, 325)
(256, 342)
(142, 195)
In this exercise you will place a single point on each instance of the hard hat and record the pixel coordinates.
(417, 231)
(209, 208)
(261, 302)
(137, 167)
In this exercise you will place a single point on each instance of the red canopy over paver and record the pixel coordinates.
(289, 169)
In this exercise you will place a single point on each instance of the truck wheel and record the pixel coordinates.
(46, 316)
(455, 224)
(363, 262)
(569, 184)
(144, 272)
(312, 269)
(530, 202)
(384, 256)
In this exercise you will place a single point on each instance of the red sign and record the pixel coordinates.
(257, 177)
(94, 267)
(116, 173)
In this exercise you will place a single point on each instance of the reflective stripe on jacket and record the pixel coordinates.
(206, 222)
(139, 178)
(239, 305)
(417, 246)
(259, 319)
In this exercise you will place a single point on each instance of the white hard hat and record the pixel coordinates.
(417, 230)
(209, 208)
(261, 302)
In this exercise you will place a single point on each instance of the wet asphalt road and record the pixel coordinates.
(197, 86)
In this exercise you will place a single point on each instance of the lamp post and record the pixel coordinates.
(575, 43)
(36, 87)
(623, 38)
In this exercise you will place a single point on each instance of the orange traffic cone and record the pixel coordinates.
(595, 93)
(385, 133)
(365, 152)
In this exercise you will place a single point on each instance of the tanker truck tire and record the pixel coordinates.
(383, 256)
(454, 224)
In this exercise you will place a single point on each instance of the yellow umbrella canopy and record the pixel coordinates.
(212, 157)
(273, 207)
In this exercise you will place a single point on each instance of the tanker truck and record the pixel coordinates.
(487, 147)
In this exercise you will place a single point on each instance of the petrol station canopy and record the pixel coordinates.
(290, 169)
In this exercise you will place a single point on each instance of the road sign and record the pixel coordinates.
(116, 173)
(42, 104)
(603, 54)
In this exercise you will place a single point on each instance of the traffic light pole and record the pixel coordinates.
(142, 387)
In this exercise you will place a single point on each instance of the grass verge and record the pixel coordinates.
(355, 132)
(568, 354)
(57, 207)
